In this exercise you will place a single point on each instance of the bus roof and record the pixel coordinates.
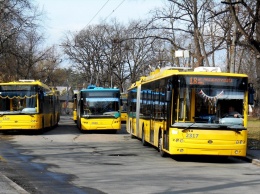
(26, 82)
(169, 71)
(99, 89)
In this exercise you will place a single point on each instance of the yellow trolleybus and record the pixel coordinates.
(99, 109)
(28, 105)
(184, 111)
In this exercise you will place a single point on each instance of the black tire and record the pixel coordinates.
(42, 129)
(79, 124)
(51, 124)
(43, 124)
(160, 144)
(131, 130)
(143, 140)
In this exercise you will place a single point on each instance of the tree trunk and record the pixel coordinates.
(257, 85)
(198, 55)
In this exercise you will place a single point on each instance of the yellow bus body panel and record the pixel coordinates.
(25, 122)
(123, 116)
(28, 122)
(208, 142)
(194, 142)
(101, 124)
(74, 117)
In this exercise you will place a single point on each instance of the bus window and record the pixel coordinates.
(204, 108)
(183, 104)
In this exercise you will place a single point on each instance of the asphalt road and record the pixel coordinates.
(64, 160)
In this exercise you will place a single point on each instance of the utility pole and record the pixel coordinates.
(233, 44)
(234, 36)
(233, 50)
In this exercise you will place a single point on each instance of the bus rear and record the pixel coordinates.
(99, 109)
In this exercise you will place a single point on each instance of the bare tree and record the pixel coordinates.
(246, 15)
(138, 52)
(189, 22)
(86, 50)
(20, 39)
(108, 55)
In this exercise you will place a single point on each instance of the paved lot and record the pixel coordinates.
(97, 166)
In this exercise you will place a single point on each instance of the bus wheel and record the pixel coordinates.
(51, 123)
(143, 140)
(42, 123)
(79, 125)
(160, 145)
(42, 127)
(131, 131)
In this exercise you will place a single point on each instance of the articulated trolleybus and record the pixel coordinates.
(28, 105)
(99, 109)
(183, 111)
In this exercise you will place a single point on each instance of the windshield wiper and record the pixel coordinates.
(236, 128)
(186, 128)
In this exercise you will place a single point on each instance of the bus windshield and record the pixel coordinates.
(201, 100)
(100, 103)
(18, 98)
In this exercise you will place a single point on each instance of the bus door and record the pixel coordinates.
(137, 113)
(153, 106)
(168, 115)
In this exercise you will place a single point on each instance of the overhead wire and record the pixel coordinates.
(98, 12)
(114, 9)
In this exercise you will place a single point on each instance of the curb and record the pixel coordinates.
(252, 160)
(12, 184)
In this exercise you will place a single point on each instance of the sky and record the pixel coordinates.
(62, 16)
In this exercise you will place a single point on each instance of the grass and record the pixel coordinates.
(253, 134)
